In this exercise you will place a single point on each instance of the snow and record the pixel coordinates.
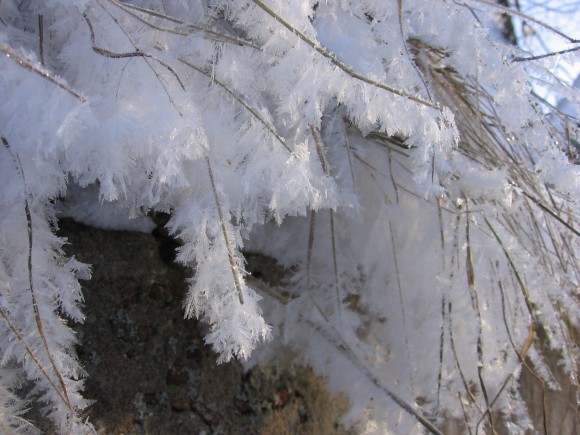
(401, 172)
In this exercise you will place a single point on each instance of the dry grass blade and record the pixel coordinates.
(392, 143)
(441, 229)
(41, 38)
(335, 262)
(363, 161)
(240, 100)
(520, 357)
(115, 55)
(145, 58)
(470, 270)
(326, 170)
(556, 244)
(418, 196)
(348, 154)
(543, 56)
(514, 269)
(136, 53)
(511, 11)
(32, 355)
(505, 320)
(234, 268)
(533, 321)
(392, 176)
(63, 392)
(401, 299)
(519, 354)
(324, 52)
(441, 351)
(552, 213)
(210, 34)
(487, 413)
(310, 246)
(465, 417)
(456, 357)
(320, 150)
(333, 337)
(41, 72)
(572, 350)
(491, 148)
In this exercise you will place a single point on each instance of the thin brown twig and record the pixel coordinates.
(542, 56)
(41, 38)
(320, 150)
(37, 317)
(240, 100)
(475, 303)
(10, 54)
(456, 357)
(145, 59)
(348, 153)
(310, 246)
(531, 334)
(233, 266)
(336, 61)
(401, 299)
(31, 354)
(335, 262)
(465, 417)
(210, 34)
(326, 170)
(334, 338)
(551, 213)
(511, 11)
(137, 53)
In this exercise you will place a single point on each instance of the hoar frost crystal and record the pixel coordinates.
(390, 153)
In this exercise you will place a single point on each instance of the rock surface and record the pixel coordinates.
(149, 371)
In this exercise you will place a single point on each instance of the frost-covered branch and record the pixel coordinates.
(421, 195)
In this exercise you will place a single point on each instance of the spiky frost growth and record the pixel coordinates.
(390, 152)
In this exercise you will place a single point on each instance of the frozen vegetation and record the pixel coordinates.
(391, 154)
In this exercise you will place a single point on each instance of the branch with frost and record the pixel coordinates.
(404, 175)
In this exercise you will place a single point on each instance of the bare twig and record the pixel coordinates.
(208, 33)
(326, 170)
(63, 393)
(41, 38)
(136, 53)
(475, 303)
(334, 338)
(10, 54)
(551, 213)
(511, 11)
(320, 150)
(533, 321)
(542, 56)
(335, 262)
(401, 299)
(456, 357)
(234, 267)
(32, 355)
(145, 58)
(336, 61)
(240, 100)
(348, 153)
(441, 349)
(310, 246)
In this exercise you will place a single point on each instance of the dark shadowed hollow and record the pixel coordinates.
(149, 371)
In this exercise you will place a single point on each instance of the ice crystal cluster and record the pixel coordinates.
(391, 154)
